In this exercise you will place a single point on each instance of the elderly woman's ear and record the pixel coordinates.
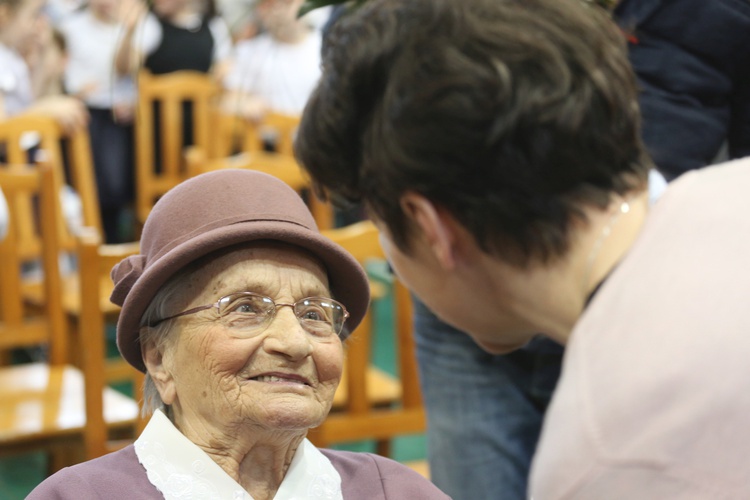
(158, 366)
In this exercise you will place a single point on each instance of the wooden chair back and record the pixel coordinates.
(53, 146)
(280, 166)
(280, 127)
(270, 144)
(96, 262)
(371, 404)
(46, 404)
(20, 325)
(168, 93)
(79, 174)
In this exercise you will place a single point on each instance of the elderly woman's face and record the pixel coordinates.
(278, 379)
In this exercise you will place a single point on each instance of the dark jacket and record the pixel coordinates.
(692, 58)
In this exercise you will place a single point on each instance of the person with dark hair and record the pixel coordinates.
(237, 310)
(497, 146)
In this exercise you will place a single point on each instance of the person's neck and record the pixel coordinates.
(258, 459)
(103, 16)
(596, 248)
(292, 34)
(612, 233)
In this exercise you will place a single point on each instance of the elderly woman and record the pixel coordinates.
(230, 312)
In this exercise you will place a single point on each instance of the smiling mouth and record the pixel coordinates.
(274, 378)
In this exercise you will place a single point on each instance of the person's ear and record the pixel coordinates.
(158, 366)
(437, 226)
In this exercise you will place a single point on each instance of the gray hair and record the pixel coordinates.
(160, 336)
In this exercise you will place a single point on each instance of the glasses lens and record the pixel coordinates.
(320, 317)
(246, 310)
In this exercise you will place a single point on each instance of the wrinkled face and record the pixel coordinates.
(22, 24)
(280, 379)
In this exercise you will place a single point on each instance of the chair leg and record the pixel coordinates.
(383, 447)
(64, 455)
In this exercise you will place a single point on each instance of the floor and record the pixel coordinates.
(20, 474)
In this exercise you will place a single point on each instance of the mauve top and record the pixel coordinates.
(119, 476)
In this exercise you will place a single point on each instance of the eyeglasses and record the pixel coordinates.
(249, 313)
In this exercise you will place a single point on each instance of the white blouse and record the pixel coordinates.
(179, 469)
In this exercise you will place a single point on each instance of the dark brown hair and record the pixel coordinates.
(508, 113)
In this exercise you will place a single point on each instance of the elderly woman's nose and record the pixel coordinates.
(287, 336)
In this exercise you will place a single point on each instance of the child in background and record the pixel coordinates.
(92, 36)
(174, 35)
(21, 24)
(278, 69)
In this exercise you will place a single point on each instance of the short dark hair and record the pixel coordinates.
(508, 113)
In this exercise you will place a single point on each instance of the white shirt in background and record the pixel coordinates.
(91, 46)
(284, 75)
(15, 84)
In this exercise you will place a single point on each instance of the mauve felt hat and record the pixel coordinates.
(213, 211)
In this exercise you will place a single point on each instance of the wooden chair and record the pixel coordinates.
(81, 176)
(168, 93)
(283, 129)
(53, 145)
(369, 403)
(46, 405)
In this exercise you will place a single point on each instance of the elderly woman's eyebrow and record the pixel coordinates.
(272, 290)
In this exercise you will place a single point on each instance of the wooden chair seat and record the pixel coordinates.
(383, 389)
(283, 167)
(57, 406)
(43, 402)
(33, 292)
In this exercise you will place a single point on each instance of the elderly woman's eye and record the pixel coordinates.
(314, 314)
(245, 306)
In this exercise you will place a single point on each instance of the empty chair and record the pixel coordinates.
(48, 404)
(54, 145)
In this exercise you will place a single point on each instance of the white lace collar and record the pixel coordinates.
(181, 470)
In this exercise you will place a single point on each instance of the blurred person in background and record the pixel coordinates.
(24, 31)
(277, 69)
(174, 35)
(692, 60)
(92, 35)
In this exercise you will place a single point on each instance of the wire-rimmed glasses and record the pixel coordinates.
(249, 313)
